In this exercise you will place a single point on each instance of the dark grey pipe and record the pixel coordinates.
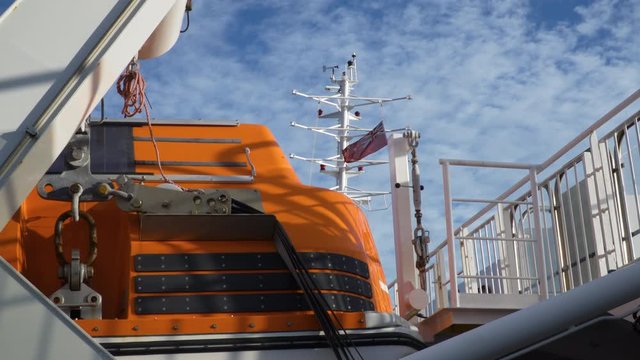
(526, 327)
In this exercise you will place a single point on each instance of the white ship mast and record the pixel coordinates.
(343, 101)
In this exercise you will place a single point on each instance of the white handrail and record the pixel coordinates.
(557, 155)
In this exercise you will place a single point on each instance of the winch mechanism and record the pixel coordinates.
(73, 182)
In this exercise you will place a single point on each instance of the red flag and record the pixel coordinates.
(371, 142)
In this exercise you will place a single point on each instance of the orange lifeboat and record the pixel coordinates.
(229, 262)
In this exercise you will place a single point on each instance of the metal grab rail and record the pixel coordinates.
(558, 154)
(579, 223)
(496, 258)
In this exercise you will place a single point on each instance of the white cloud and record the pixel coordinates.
(487, 82)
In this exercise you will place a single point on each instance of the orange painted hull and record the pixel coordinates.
(316, 220)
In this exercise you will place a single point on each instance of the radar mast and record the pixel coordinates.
(343, 102)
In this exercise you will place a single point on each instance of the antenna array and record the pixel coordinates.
(342, 101)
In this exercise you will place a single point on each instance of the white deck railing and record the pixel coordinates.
(543, 237)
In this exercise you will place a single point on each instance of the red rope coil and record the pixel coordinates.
(131, 86)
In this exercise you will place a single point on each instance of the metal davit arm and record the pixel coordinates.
(61, 57)
(412, 298)
(26, 312)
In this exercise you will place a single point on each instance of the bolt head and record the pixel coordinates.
(103, 189)
(75, 188)
(77, 154)
(136, 203)
(220, 210)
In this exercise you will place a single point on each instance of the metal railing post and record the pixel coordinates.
(440, 280)
(411, 298)
(540, 263)
(453, 276)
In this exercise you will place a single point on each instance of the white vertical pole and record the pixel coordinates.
(448, 210)
(411, 298)
(542, 270)
(345, 85)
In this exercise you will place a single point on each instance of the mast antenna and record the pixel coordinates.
(343, 101)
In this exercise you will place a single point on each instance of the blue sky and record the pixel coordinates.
(495, 80)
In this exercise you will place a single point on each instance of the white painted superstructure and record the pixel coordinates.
(55, 76)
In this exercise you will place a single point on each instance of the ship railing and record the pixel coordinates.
(392, 289)
(542, 237)
(495, 257)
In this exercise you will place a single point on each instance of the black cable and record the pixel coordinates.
(312, 293)
(188, 22)
(324, 305)
(238, 207)
(294, 265)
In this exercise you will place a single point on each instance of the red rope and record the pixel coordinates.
(131, 86)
